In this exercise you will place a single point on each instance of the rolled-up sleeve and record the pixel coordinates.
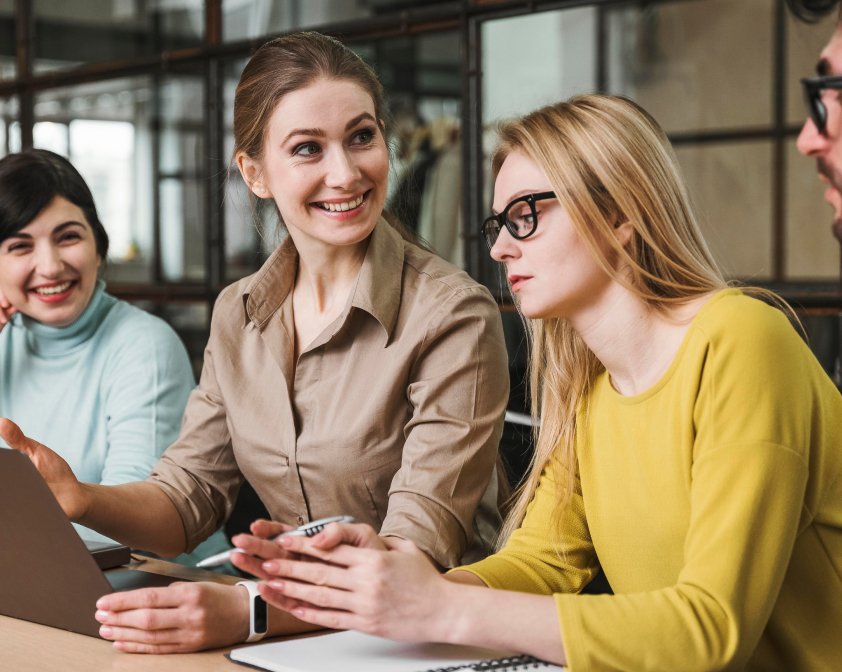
(458, 391)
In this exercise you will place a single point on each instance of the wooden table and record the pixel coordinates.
(29, 647)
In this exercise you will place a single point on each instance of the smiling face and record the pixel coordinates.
(553, 272)
(325, 164)
(48, 269)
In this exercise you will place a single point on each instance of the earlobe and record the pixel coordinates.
(250, 170)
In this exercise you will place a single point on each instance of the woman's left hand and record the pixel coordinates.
(179, 618)
(391, 593)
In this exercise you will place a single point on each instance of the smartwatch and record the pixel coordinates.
(258, 612)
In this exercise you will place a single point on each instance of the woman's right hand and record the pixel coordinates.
(6, 311)
(264, 544)
(65, 487)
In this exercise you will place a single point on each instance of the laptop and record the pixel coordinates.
(47, 574)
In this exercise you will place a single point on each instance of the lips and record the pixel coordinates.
(54, 292)
(516, 282)
(342, 206)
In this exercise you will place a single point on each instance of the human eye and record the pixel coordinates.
(306, 149)
(364, 136)
(70, 237)
(522, 217)
(17, 247)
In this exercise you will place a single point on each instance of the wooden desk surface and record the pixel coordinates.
(26, 646)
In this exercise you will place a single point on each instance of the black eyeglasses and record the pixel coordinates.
(520, 217)
(813, 87)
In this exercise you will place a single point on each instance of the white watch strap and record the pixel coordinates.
(251, 587)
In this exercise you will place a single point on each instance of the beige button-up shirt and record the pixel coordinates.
(393, 414)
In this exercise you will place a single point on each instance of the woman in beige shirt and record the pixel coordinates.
(354, 373)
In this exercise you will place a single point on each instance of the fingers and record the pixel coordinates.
(343, 555)
(326, 618)
(353, 534)
(135, 647)
(6, 316)
(315, 573)
(181, 617)
(143, 598)
(268, 528)
(323, 597)
(258, 547)
(15, 438)
(6, 311)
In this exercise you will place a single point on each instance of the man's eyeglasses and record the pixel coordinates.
(520, 217)
(813, 87)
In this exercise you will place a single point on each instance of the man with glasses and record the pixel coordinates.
(821, 136)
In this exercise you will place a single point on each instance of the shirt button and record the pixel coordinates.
(300, 520)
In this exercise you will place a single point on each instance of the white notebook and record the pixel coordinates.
(351, 651)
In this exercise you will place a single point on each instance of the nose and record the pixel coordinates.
(48, 261)
(505, 247)
(342, 170)
(810, 141)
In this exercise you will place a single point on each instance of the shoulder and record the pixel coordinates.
(746, 343)
(733, 319)
(440, 282)
(127, 327)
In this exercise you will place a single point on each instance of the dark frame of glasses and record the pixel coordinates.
(812, 88)
(493, 224)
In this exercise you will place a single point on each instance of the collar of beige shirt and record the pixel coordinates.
(378, 288)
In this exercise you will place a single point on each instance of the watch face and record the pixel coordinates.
(261, 621)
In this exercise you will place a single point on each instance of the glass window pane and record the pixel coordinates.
(8, 64)
(812, 253)
(803, 44)
(254, 18)
(182, 229)
(8, 126)
(70, 33)
(112, 131)
(731, 188)
(533, 60)
(103, 128)
(182, 176)
(663, 56)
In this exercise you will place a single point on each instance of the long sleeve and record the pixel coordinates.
(713, 502)
(458, 390)
(548, 553)
(753, 453)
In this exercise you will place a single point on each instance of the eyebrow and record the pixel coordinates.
(319, 133)
(58, 229)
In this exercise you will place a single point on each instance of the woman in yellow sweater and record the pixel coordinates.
(690, 443)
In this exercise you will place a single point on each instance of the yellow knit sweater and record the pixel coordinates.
(713, 502)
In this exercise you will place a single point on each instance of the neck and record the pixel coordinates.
(635, 343)
(326, 275)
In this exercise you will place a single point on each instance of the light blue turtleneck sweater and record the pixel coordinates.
(107, 392)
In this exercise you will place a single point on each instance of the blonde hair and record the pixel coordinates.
(608, 162)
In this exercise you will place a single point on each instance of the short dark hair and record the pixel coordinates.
(811, 10)
(31, 179)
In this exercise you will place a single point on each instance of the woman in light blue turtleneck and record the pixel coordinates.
(101, 382)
